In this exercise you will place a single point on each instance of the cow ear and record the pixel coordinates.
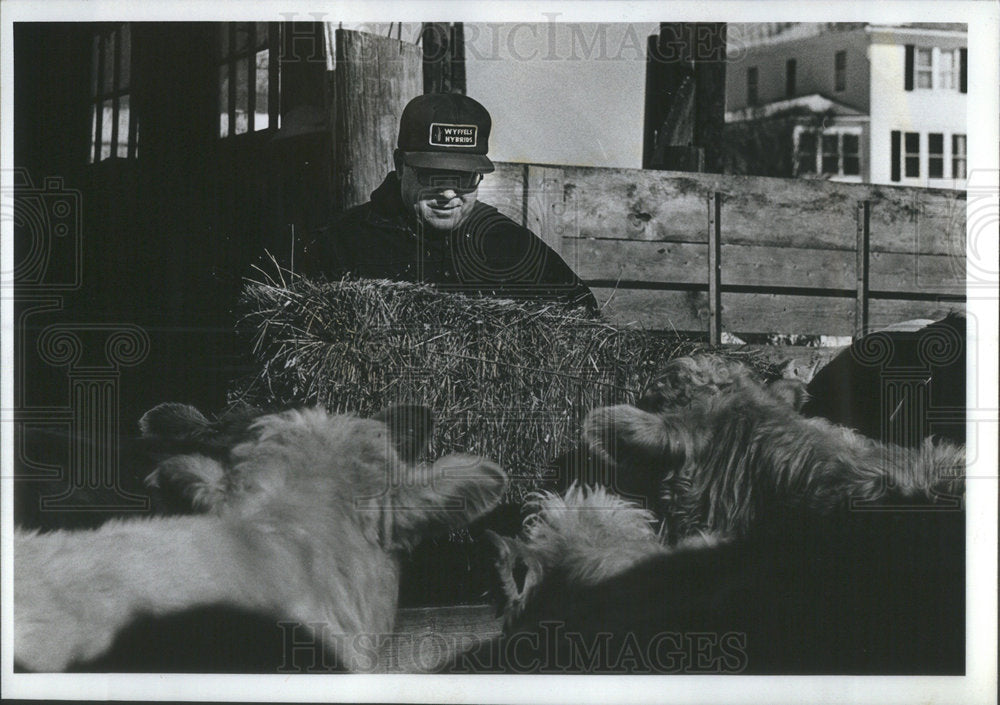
(625, 433)
(173, 421)
(450, 494)
(410, 427)
(793, 392)
(189, 482)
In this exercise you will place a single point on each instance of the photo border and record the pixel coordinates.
(978, 686)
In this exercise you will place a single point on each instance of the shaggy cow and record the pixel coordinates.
(306, 518)
(728, 454)
(582, 537)
(680, 383)
(588, 589)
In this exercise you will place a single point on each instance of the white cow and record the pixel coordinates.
(308, 516)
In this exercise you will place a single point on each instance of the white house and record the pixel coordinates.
(894, 97)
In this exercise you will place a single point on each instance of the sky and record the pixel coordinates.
(566, 93)
(559, 92)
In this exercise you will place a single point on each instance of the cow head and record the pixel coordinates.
(569, 541)
(693, 379)
(695, 434)
(311, 463)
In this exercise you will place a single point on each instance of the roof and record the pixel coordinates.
(757, 34)
(937, 26)
(815, 103)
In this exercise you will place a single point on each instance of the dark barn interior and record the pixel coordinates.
(160, 208)
(168, 230)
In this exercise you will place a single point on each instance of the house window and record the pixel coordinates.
(958, 156)
(911, 161)
(935, 155)
(113, 126)
(248, 77)
(790, 78)
(851, 150)
(925, 68)
(840, 71)
(805, 154)
(948, 69)
(930, 68)
(835, 152)
(831, 154)
(752, 86)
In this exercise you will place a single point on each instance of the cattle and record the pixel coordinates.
(786, 545)
(167, 431)
(686, 380)
(678, 384)
(302, 525)
(192, 455)
(582, 537)
(728, 455)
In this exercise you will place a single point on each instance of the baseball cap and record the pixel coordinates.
(445, 131)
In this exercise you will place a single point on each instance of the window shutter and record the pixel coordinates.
(896, 139)
(908, 79)
(963, 70)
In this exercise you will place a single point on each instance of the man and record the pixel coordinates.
(425, 224)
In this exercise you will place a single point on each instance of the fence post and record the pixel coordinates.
(375, 77)
(714, 270)
(861, 269)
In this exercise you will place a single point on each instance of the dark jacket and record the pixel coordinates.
(487, 254)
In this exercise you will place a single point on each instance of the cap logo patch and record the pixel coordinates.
(444, 135)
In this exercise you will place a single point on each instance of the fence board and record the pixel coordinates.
(942, 225)
(928, 221)
(756, 313)
(779, 313)
(884, 312)
(800, 214)
(687, 263)
(545, 203)
(504, 190)
(923, 274)
(637, 260)
(634, 204)
(748, 265)
(661, 310)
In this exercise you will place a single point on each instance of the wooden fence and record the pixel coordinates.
(713, 253)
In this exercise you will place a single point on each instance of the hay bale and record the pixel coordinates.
(509, 380)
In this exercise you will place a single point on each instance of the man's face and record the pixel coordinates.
(440, 199)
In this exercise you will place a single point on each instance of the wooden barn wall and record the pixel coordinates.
(788, 250)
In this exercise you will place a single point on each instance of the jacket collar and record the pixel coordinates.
(387, 208)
